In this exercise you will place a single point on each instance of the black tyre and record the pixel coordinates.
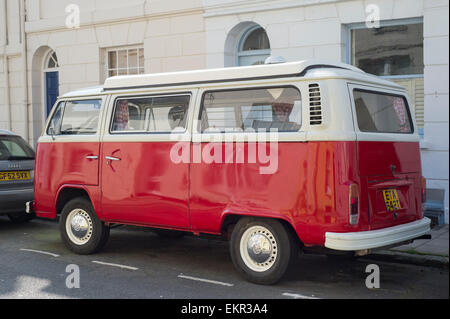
(262, 250)
(22, 217)
(81, 230)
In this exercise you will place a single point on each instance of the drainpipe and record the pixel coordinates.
(25, 69)
(6, 68)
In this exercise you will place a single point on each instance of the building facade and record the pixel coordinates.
(50, 47)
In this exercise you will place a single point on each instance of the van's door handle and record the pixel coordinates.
(92, 157)
(110, 158)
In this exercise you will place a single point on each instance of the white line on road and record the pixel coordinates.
(40, 252)
(206, 280)
(114, 265)
(297, 296)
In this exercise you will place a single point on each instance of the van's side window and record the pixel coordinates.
(380, 112)
(80, 117)
(150, 114)
(258, 109)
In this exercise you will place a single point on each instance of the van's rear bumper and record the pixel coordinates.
(377, 238)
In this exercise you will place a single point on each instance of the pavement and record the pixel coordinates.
(424, 252)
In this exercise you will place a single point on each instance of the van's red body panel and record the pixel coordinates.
(310, 189)
(145, 186)
(59, 164)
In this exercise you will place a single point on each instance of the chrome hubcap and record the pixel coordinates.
(258, 248)
(79, 226)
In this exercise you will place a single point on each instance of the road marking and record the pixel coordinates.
(298, 296)
(205, 280)
(114, 265)
(40, 252)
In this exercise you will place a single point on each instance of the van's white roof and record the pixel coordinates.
(301, 68)
(219, 75)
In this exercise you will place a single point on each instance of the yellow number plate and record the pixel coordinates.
(14, 176)
(391, 200)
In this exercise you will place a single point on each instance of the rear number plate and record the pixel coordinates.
(14, 176)
(391, 200)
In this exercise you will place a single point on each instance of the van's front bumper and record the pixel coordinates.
(377, 238)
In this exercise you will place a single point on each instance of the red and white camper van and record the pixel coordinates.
(274, 158)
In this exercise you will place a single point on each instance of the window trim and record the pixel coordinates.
(127, 48)
(241, 53)
(86, 98)
(197, 129)
(383, 23)
(140, 132)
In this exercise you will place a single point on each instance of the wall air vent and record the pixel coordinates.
(315, 105)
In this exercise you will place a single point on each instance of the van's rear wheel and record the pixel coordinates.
(80, 228)
(262, 249)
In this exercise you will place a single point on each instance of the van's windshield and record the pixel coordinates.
(380, 112)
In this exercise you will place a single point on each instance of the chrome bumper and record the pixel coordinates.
(377, 238)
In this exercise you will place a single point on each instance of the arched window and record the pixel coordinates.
(51, 61)
(254, 47)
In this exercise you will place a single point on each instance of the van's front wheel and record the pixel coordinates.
(261, 250)
(80, 228)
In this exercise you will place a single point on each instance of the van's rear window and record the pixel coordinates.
(379, 112)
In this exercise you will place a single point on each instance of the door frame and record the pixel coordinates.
(45, 70)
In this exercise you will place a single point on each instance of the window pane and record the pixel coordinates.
(133, 71)
(112, 73)
(383, 113)
(141, 58)
(158, 114)
(132, 58)
(55, 123)
(390, 50)
(13, 147)
(257, 40)
(81, 117)
(112, 60)
(122, 59)
(51, 63)
(258, 109)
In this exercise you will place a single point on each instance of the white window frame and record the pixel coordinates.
(256, 53)
(385, 23)
(128, 48)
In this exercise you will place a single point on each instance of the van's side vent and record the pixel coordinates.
(315, 105)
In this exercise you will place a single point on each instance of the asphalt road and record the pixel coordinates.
(139, 264)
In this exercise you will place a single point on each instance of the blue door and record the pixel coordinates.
(52, 89)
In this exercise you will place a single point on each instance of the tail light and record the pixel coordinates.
(424, 190)
(353, 204)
